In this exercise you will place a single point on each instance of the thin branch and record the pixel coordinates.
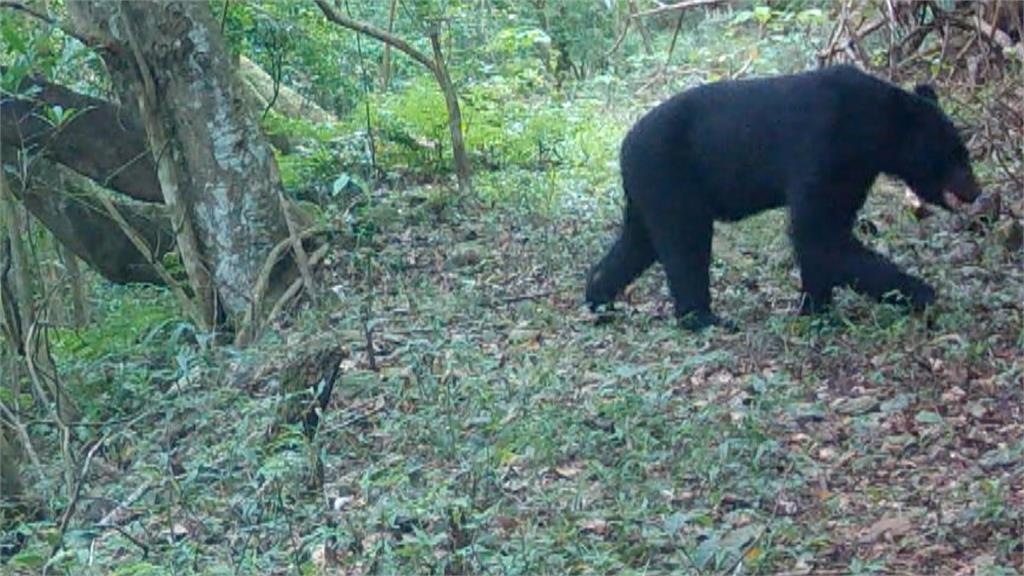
(618, 41)
(76, 496)
(9, 418)
(1000, 38)
(374, 32)
(19, 7)
(249, 326)
(525, 297)
(147, 253)
(141, 545)
(671, 7)
(672, 44)
(293, 290)
(301, 258)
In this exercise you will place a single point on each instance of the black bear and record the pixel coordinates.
(814, 142)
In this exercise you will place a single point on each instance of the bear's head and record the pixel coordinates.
(932, 157)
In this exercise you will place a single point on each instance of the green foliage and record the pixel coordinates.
(581, 31)
(522, 54)
(499, 429)
(125, 319)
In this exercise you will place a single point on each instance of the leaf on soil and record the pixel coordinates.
(927, 417)
(594, 526)
(893, 526)
(855, 406)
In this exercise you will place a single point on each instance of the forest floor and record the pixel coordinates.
(499, 427)
(506, 429)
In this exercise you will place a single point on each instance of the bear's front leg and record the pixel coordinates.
(818, 276)
(852, 264)
(870, 273)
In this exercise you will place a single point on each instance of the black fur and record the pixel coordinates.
(814, 142)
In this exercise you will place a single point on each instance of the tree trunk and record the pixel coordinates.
(12, 488)
(462, 166)
(14, 219)
(79, 302)
(104, 141)
(288, 103)
(67, 205)
(217, 174)
(385, 65)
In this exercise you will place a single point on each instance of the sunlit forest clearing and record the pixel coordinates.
(298, 287)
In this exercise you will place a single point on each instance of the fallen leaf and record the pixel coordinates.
(594, 526)
(568, 471)
(856, 406)
(507, 523)
(894, 526)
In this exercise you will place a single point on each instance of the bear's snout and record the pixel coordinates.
(962, 187)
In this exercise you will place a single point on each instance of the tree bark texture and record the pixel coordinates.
(216, 172)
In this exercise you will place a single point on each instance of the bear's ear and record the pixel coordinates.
(927, 92)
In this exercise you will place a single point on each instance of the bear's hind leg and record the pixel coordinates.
(683, 244)
(629, 257)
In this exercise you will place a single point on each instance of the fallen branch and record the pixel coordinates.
(1000, 38)
(671, 7)
(293, 290)
(525, 297)
(845, 43)
(108, 518)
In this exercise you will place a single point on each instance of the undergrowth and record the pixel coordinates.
(495, 427)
